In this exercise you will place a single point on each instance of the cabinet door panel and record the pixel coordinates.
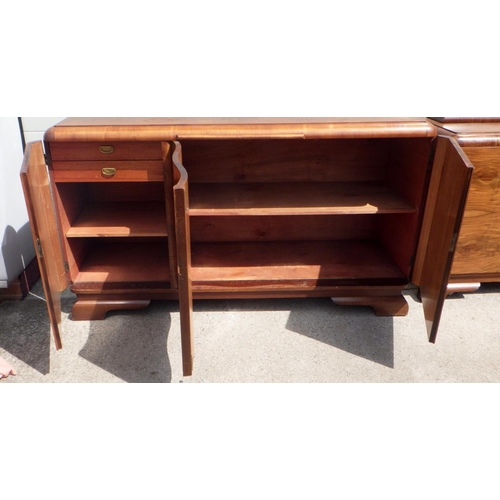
(45, 233)
(447, 197)
(183, 242)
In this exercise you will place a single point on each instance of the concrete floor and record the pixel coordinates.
(292, 340)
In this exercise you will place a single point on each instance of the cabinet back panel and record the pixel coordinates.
(398, 235)
(150, 191)
(407, 170)
(76, 250)
(276, 160)
(72, 199)
(74, 196)
(408, 175)
(277, 228)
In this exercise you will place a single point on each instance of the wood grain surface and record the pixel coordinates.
(44, 230)
(446, 203)
(165, 129)
(183, 242)
(478, 249)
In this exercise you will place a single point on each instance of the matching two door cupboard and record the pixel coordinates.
(125, 211)
(477, 257)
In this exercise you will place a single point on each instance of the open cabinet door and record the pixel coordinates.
(183, 243)
(40, 205)
(448, 190)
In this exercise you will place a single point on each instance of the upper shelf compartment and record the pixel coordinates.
(292, 198)
(284, 177)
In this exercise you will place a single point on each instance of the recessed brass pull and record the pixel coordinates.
(108, 171)
(107, 150)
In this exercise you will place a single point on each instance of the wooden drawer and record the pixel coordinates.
(108, 171)
(105, 151)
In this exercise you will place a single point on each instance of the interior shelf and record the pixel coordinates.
(125, 262)
(293, 198)
(114, 219)
(303, 263)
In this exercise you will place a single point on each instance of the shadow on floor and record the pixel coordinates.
(352, 329)
(25, 332)
(132, 345)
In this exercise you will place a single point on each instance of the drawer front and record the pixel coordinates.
(105, 151)
(108, 171)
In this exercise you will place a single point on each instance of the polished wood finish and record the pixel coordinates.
(447, 197)
(121, 261)
(92, 171)
(478, 250)
(271, 228)
(96, 307)
(382, 306)
(105, 151)
(117, 229)
(477, 257)
(45, 234)
(182, 232)
(110, 219)
(466, 119)
(171, 129)
(304, 263)
(168, 186)
(236, 161)
(200, 208)
(294, 199)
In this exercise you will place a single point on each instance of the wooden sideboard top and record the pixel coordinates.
(475, 133)
(466, 119)
(165, 129)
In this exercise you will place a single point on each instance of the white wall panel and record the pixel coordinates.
(15, 236)
(35, 127)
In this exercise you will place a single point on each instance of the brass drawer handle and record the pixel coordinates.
(107, 150)
(108, 171)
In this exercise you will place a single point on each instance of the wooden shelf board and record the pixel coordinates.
(122, 262)
(302, 263)
(120, 219)
(293, 198)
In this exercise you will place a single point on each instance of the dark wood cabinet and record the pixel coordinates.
(132, 210)
(477, 256)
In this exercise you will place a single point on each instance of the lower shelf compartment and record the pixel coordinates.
(112, 264)
(303, 263)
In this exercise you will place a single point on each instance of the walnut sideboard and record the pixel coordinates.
(125, 211)
(477, 257)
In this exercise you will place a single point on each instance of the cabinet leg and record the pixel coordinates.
(383, 306)
(95, 309)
